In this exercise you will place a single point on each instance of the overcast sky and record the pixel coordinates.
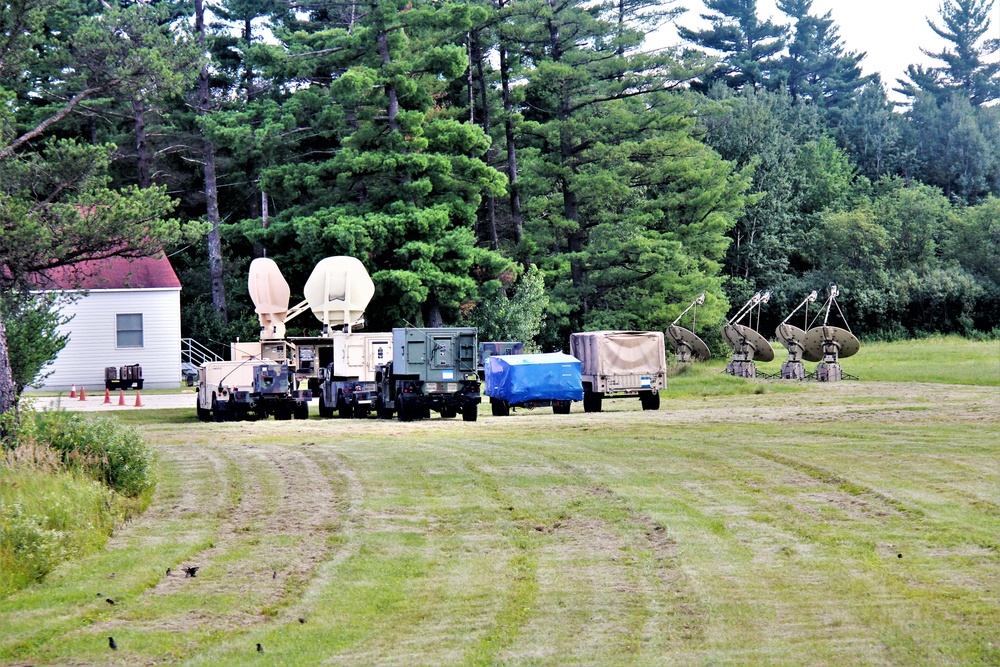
(891, 32)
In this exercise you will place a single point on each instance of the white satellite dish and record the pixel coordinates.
(792, 338)
(338, 291)
(270, 294)
(747, 344)
(830, 343)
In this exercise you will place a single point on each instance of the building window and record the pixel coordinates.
(130, 330)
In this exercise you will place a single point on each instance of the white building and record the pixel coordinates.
(130, 314)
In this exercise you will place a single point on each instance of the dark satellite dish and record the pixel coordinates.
(792, 338)
(829, 343)
(742, 337)
(821, 342)
(687, 346)
(747, 344)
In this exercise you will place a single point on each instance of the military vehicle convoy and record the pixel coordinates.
(410, 371)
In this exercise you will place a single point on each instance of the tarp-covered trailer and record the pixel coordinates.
(620, 363)
(533, 380)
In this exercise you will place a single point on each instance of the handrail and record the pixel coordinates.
(195, 353)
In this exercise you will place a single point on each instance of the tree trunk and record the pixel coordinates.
(142, 153)
(432, 314)
(491, 202)
(508, 108)
(215, 269)
(7, 394)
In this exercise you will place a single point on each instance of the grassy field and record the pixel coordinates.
(743, 523)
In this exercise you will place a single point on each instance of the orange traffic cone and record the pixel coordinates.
(72, 391)
(138, 399)
(107, 396)
(83, 393)
(121, 397)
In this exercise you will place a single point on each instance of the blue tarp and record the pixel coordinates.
(519, 378)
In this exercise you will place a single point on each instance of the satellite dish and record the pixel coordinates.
(687, 345)
(269, 292)
(830, 343)
(747, 342)
(792, 338)
(823, 342)
(338, 291)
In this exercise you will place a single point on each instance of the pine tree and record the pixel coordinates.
(965, 69)
(749, 47)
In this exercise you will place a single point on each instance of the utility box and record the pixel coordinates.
(620, 363)
(533, 380)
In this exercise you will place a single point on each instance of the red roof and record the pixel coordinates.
(113, 273)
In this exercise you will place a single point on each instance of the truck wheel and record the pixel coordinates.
(470, 412)
(592, 401)
(650, 400)
(203, 414)
(216, 411)
(561, 407)
(324, 411)
(302, 410)
(499, 407)
(346, 411)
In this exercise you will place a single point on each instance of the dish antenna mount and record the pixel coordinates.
(338, 291)
(687, 346)
(793, 339)
(747, 344)
(829, 343)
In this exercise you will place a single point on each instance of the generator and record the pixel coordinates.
(431, 369)
(123, 378)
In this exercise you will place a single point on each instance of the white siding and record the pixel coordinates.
(93, 342)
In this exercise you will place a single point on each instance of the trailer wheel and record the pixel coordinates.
(324, 411)
(403, 411)
(592, 401)
(302, 410)
(499, 407)
(561, 407)
(470, 412)
(650, 400)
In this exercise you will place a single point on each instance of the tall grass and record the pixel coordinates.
(65, 483)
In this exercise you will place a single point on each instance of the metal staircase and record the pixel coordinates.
(193, 355)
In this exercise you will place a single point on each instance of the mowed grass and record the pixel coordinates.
(743, 523)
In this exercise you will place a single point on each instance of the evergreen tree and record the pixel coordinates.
(401, 182)
(965, 69)
(872, 133)
(816, 68)
(749, 47)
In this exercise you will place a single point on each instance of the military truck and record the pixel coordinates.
(347, 384)
(249, 389)
(620, 363)
(431, 369)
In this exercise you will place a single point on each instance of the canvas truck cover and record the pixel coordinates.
(620, 352)
(519, 378)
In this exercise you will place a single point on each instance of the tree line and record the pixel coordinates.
(528, 166)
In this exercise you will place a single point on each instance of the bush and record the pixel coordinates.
(101, 447)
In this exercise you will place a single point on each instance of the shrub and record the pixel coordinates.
(103, 448)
